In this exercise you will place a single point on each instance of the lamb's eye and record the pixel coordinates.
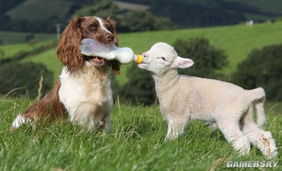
(163, 58)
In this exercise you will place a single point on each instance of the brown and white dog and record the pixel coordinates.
(83, 91)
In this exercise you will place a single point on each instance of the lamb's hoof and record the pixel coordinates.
(170, 138)
(243, 146)
(268, 147)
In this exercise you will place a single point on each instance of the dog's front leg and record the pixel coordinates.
(107, 124)
(85, 116)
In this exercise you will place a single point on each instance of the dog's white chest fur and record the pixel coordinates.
(84, 86)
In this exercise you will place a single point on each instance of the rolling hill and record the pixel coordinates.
(195, 13)
(266, 5)
(7, 37)
(43, 15)
(40, 9)
(12, 49)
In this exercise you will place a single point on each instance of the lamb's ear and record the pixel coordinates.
(180, 62)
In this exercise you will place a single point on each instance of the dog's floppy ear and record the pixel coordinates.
(180, 62)
(114, 64)
(68, 50)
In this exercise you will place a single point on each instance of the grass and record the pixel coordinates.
(135, 143)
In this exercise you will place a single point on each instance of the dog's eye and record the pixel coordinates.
(108, 27)
(93, 26)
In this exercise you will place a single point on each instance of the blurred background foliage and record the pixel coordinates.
(23, 79)
(262, 68)
(135, 15)
(216, 51)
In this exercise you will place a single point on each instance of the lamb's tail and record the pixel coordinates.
(257, 97)
(20, 120)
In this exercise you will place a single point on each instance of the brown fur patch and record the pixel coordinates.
(267, 144)
(47, 107)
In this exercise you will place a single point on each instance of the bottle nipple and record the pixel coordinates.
(138, 59)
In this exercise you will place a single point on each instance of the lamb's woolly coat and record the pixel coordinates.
(203, 98)
(183, 98)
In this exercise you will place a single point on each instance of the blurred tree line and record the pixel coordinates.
(176, 14)
(23, 79)
(262, 68)
(7, 5)
(192, 13)
(128, 20)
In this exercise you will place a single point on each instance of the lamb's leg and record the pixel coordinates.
(262, 139)
(258, 137)
(84, 115)
(176, 127)
(231, 130)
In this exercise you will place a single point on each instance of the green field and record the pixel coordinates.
(135, 143)
(48, 58)
(8, 38)
(237, 41)
(13, 49)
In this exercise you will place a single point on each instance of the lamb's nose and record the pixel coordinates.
(109, 36)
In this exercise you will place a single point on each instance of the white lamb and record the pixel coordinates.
(184, 98)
